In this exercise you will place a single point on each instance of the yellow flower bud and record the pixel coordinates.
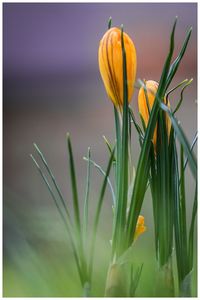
(140, 227)
(111, 65)
(151, 87)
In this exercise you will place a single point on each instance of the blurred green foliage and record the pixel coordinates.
(38, 260)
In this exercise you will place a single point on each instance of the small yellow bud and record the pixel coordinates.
(140, 227)
(151, 87)
(111, 65)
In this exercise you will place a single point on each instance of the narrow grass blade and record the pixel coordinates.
(171, 181)
(183, 140)
(49, 188)
(166, 187)
(108, 145)
(162, 85)
(138, 129)
(117, 115)
(142, 173)
(135, 280)
(143, 85)
(86, 200)
(77, 210)
(174, 88)
(177, 61)
(120, 219)
(66, 222)
(191, 148)
(52, 178)
(183, 229)
(165, 218)
(109, 22)
(180, 219)
(154, 193)
(124, 163)
(74, 185)
(191, 232)
(143, 123)
(137, 126)
(181, 98)
(97, 214)
(176, 201)
(104, 174)
(118, 143)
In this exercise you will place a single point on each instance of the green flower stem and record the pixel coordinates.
(122, 166)
(78, 228)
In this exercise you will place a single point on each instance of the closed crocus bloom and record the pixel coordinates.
(152, 87)
(111, 65)
(140, 227)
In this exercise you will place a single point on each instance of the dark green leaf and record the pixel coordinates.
(181, 98)
(174, 88)
(65, 220)
(191, 148)
(191, 232)
(177, 61)
(74, 185)
(109, 22)
(183, 140)
(122, 195)
(142, 172)
(86, 201)
(98, 211)
(52, 178)
(104, 174)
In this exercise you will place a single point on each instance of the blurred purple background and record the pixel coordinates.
(52, 85)
(51, 79)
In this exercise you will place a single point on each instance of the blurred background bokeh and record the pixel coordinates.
(51, 86)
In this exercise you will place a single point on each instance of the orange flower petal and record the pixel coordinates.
(151, 87)
(111, 65)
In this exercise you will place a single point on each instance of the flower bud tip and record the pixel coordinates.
(109, 22)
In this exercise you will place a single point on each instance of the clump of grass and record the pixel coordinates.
(78, 233)
(159, 167)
